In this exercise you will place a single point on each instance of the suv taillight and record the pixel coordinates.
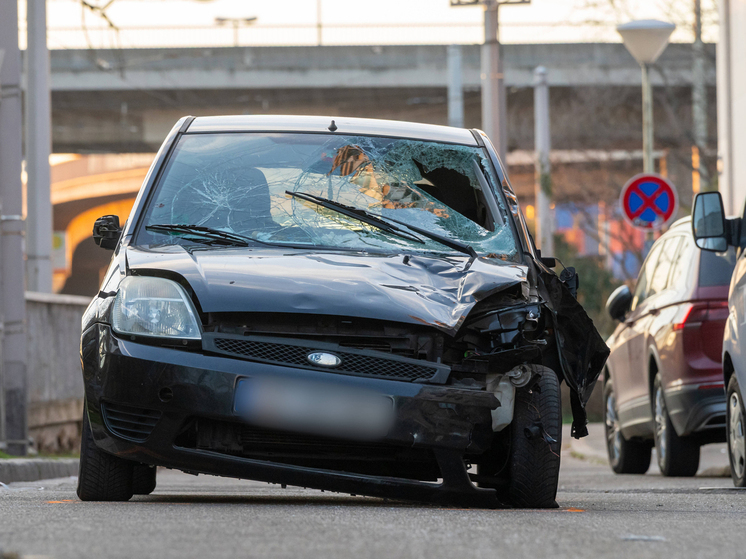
(703, 325)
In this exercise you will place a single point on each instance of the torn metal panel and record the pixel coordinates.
(415, 289)
(582, 351)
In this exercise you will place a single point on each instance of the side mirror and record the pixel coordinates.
(708, 222)
(548, 261)
(619, 303)
(106, 231)
(570, 278)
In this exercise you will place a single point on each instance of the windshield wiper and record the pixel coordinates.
(204, 234)
(385, 224)
(356, 213)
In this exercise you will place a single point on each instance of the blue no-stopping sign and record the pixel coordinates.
(649, 201)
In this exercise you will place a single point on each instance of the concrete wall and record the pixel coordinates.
(55, 384)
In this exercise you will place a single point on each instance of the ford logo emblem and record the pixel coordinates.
(323, 359)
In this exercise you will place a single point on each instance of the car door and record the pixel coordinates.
(633, 396)
(619, 360)
(735, 328)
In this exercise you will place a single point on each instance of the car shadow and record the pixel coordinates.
(277, 500)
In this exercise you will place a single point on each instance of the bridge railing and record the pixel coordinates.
(104, 37)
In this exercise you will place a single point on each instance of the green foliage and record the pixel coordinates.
(596, 283)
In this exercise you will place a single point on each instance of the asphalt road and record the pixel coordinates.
(601, 515)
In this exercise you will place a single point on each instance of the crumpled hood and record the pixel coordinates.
(414, 289)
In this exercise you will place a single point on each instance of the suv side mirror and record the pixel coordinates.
(106, 231)
(619, 302)
(708, 222)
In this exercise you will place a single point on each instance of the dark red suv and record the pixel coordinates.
(663, 382)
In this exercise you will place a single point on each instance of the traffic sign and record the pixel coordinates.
(649, 201)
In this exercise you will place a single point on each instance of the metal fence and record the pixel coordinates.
(230, 35)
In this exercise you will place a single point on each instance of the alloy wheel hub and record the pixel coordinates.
(737, 440)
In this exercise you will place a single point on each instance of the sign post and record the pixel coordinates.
(649, 202)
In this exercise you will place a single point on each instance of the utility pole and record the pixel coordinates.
(38, 145)
(455, 87)
(12, 302)
(494, 106)
(699, 104)
(543, 174)
(494, 102)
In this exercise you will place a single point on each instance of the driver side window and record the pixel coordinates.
(646, 273)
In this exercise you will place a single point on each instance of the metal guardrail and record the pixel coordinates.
(205, 36)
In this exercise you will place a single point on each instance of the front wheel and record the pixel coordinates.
(736, 437)
(535, 442)
(625, 457)
(677, 456)
(102, 476)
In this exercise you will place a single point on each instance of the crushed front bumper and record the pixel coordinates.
(176, 386)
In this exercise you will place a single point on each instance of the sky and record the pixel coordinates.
(143, 23)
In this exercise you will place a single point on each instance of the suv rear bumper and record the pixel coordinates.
(697, 408)
(174, 386)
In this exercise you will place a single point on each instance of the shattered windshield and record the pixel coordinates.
(237, 183)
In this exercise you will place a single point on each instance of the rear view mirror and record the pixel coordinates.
(106, 231)
(708, 222)
(619, 302)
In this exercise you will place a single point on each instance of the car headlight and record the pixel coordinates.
(156, 307)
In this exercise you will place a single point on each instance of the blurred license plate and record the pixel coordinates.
(323, 409)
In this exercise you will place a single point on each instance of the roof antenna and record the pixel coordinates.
(332, 127)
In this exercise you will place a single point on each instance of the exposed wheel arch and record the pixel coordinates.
(728, 369)
(653, 369)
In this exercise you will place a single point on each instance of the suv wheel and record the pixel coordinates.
(625, 457)
(102, 476)
(534, 460)
(677, 456)
(736, 437)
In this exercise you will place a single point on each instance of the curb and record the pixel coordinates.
(587, 448)
(34, 469)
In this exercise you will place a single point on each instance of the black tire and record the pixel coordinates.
(625, 457)
(677, 456)
(143, 479)
(534, 463)
(735, 428)
(102, 476)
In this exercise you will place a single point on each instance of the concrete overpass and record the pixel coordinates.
(127, 100)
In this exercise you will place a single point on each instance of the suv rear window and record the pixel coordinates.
(716, 268)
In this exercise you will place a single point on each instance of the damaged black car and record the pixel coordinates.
(342, 304)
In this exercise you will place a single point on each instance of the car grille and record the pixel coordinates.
(257, 438)
(134, 424)
(295, 352)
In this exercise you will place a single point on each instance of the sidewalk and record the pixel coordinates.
(713, 458)
(34, 469)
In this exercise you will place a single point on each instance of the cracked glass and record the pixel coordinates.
(238, 183)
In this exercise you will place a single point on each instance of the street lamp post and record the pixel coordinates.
(236, 22)
(645, 40)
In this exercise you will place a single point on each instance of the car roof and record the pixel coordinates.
(321, 124)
